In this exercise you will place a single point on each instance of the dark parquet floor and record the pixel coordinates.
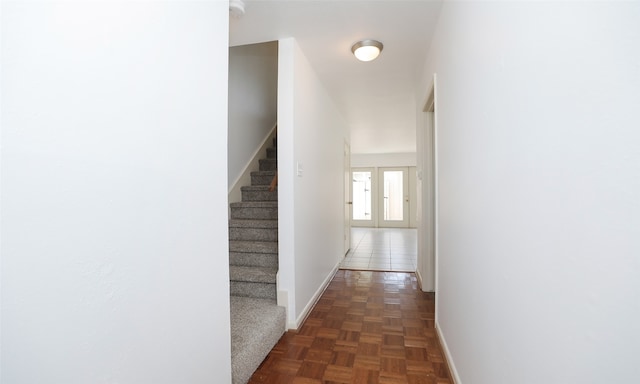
(368, 327)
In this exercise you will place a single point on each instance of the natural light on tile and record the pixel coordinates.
(382, 249)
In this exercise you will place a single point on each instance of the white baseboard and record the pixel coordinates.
(447, 356)
(421, 282)
(314, 299)
(282, 297)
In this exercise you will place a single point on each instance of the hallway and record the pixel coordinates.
(382, 249)
(368, 327)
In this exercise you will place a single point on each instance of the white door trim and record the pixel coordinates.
(348, 201)
(428, 181)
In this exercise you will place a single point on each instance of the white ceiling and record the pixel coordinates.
(377, 98)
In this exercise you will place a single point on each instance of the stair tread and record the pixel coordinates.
(255, 204)
(265, 243)
(252, 259)
(256, 326)
(253, 232)
(250, 246)
(255, 188)
(252, 274)
(264, 173)
(253, 223)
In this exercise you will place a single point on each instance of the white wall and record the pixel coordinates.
(1, 125)
(311, 132)
(363, 160)
(114, 225)
(253, 97)
(539, 186)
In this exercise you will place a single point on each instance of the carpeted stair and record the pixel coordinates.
(257, 322)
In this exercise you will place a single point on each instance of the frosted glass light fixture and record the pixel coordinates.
(236, 8)
(366, 50)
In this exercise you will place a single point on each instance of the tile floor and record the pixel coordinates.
(382, 249)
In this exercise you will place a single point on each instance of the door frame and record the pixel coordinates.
(427, 156)
(413, 197)
(348, 200)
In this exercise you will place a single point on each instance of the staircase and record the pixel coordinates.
(257, 322)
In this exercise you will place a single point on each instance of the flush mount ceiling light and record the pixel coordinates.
(236, 8)
(366, 50)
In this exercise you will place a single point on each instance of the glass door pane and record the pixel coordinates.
(361, 191)
(393, 195)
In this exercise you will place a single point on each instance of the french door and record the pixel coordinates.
(393, 198)
(380, 197)
(363, 197)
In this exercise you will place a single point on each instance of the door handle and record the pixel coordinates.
(350, 202)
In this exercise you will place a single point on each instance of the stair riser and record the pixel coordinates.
(268, 165)
(272, 153)
(250, 259)
(253, 247)
(257, 179)
(259, 196)
(255, 213)
(253, 234)
(258, 290)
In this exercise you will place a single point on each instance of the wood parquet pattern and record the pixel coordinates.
(367, 327)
